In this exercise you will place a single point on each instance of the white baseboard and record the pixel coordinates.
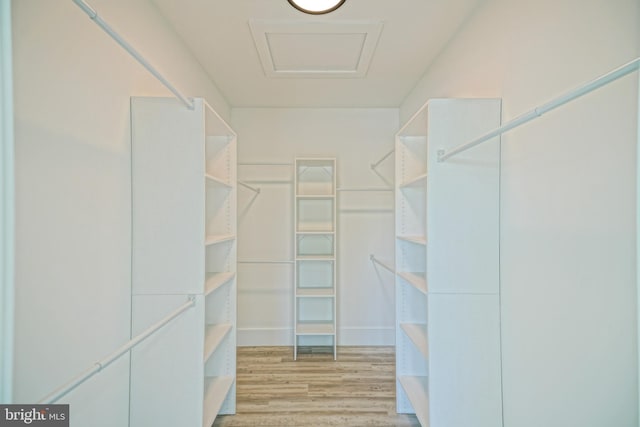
(365, 336)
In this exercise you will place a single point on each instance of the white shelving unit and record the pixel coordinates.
(447, 283)
(184, 245)
(315, 278)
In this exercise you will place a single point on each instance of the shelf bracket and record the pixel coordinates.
(376, 164)
(245, 185)
(375, 260)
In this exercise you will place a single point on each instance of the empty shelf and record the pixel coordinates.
(218, 181)
(415, 182)
(416, 389)
(420, 240)
(418, 335)
(315, 257)
(215, 280)
(315, 233)
(315, 292)
(315, 329)
(316, 196)
(215, 391)
(417, 280)
(315, 228)
(218, 238)
(214, 335)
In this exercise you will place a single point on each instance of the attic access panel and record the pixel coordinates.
(315, 49)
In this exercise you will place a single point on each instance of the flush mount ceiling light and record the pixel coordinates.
(316, 7)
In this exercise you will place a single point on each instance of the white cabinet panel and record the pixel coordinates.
(163, 367)
(464, 361)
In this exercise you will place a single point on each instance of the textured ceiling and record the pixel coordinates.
(219, 33)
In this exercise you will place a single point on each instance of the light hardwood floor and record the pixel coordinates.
(356, 390)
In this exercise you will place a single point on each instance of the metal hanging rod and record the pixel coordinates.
(268, 181)
(245, 185)
(376, 164)
(349, 189)
(134, 53)
(265, 164)
(100, 365)
(382, 264)
(551, 105)
(252, 261)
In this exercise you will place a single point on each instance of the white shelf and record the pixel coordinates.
(191, 156)
(218, 238)
(416, 389)
(315, 230)
(315, 233)
(214, 334)
(215, 391)
(419, 180)
(315, 280)
(315, 292)
(316, 196)
(417, 280)
(449, 339)
(417, 332)
(218, 181)
(419, 240)
(215, 280)
(315, 258)
(320, 328)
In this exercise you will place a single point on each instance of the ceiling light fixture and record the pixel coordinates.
(316, 7)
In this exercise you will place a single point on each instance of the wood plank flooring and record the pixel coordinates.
(356, 390)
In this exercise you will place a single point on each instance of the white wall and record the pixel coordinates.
(73, 274)
(357, 138)
(568, 271)
(7, 205)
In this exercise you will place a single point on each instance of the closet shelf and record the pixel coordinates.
(415, 182)
(315, 233)
(419, 240)
(215, 280)
(217, 181)
(215, 391)
(315, 257)
(315, 292)
(417, 280)
(214, 239)
(314, 230)
(417, 332)
(320, 328)
(316, 196)
(416, 389)
(214, 334)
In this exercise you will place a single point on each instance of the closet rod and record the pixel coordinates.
(551, 105)
(364, 189)
(377, 261)
(134, 53)
(376, 164)
(265, 164)
(254, 189)
(100, 365)
(249, 261)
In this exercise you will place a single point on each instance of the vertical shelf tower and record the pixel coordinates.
(184, 246)
(447, 267)
(315, 283)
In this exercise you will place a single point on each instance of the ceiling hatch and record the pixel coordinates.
(315, 49)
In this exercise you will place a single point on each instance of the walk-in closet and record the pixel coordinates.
(319, 213)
